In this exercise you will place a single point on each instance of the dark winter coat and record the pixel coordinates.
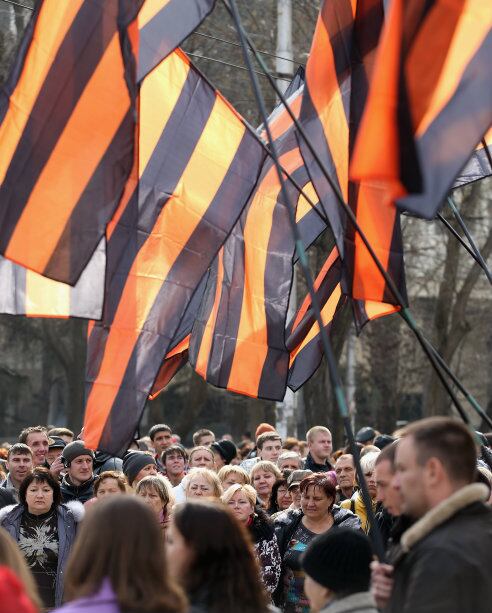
(263, 534)
(310, 464)
(68, 518)
(82, 493)
(444, 561)
(7, 497)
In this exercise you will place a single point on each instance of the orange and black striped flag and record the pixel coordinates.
(238, 340)
(66, 133)
(163, 25)
(337, 81)
(197, 166)
(430, 102)
(480, 164)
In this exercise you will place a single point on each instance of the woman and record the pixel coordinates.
(202, 483)
(156, 492)
(109, 483)
(11, 557)
(210, 554)
(241, 499)
(263, 476)
(231, 474)
(280, 498)
(118, 563)
(296, 528)
(45, 531)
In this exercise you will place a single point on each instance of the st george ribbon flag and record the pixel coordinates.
(430, 102)
(197, 166)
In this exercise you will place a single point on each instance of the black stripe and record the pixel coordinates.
(167, 30)
(75, 62)
(477, 168)
(87, 223)
(204, 313)
(395, 266)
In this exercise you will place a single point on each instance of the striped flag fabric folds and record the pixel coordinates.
(197, 166)
(337, 80)
(479, 166)
(430, 101)
(163, 25)
(66, 133)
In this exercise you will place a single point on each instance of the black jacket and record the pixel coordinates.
(82, 493)
(310, 464)
(6, 497)
(443, 563)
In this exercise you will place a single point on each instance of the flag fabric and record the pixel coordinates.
(479, 166)
(197, 166)
(24, 292)
(163, 25)
(238, 340)
(66, 133)
(337, 79)
(430, 101)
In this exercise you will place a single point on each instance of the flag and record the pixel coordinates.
(197, 166)
(24, 292)
(163, 25)
(337, 78)
(66, 133)
(479, 166)
(430, 101)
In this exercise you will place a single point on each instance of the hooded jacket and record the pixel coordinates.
(82, 493)
(69, 515)
(444, 561)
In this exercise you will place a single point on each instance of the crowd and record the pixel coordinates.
(264, 525)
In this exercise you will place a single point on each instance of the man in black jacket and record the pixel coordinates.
(443, 562)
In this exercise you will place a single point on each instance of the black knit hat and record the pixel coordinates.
(365, 434)
(226, 449)
(74, 450)
(339, 560)
(133, 463)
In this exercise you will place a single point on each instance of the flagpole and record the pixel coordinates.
(332, 366)
(459, 238)
(404, 311)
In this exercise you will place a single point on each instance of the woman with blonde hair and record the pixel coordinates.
(231, 474)
(263, 476)
(241, 499)
(156, 492)
(11, 556)
(202, 483)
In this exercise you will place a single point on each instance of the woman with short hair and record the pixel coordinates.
(280, 498)
(296, 528)
(263, 476)
(118, 563)
(44, 529)
(211, 555)
(202, 483)
(156, 492)
(231, 474)
(109, 483)
(241, 499)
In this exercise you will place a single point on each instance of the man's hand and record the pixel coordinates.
(381, 583)
(56, 467)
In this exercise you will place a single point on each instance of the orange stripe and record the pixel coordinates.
(46, 297)
(208, 333)
(327, 314)
(99, 112)
(282, 122)
(303, 206)
(54, 21)
(375, 310)
(198, 185)
(180, 347)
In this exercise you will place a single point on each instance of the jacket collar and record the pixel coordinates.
(475, 492)
(361, 601)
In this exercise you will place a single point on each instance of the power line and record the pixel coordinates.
(24, 6)
(213, 59)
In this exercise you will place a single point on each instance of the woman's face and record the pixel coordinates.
(263, 481)
(109, 487)
(315, 504)
(151, 498)
(179, 555)
(284, 499)
(39, 497)
(241, 506)
(199, 487)
(232, 478)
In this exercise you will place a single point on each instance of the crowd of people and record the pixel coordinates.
(269, 524)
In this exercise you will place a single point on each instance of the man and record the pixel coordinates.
(289, 460)
(444, 560)
(356, 502)
(78, 483)
(137, 465)
(269, 446)
(345, 472)
(320, 447)
(203, 437)
(365, 436)
(19, 465)
(36, 438)
(55, 449)
(293, 485)
(161, 436)
(64, 433)
(174, 460)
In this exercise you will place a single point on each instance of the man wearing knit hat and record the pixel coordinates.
(137, 465)
(338, 574)
(78, 483)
